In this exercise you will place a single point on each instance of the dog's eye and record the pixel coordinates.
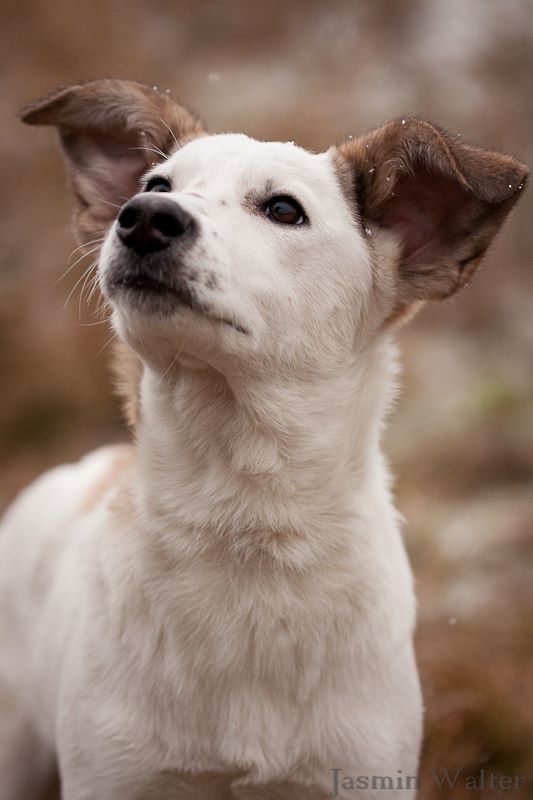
(285, 210)
(159, 183)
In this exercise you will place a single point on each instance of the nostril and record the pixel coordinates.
(151, 222)
(167, 224)
(127, 217)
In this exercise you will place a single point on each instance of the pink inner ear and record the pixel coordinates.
(111, 163)
(427, 211)
(117, 180)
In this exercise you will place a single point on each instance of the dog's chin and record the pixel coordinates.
(144, 294)
(139, 294)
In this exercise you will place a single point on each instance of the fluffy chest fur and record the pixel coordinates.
(218, 663)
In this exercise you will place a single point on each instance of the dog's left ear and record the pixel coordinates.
(111, 131)
(443, 201)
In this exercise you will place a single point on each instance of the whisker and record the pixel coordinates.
(102, 307)
(92, 324)
(88, 276)
(86, 272)
(80, 258)
(171, 364)
(112, 339)
(108, 202)
(153, 149)
(169, 129)
(98, 240)
(93, 289)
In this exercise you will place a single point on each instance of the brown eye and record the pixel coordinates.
(285, 210)
(159, 183)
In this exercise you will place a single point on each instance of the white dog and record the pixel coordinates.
(225, 609)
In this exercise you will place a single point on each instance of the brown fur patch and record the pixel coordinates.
(346, 178)
(402, 314)
(121, 462)
(445, 201)
(122, 503)
(127, 369)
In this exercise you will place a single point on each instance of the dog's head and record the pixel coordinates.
(248, 255)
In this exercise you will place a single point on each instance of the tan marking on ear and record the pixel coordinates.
(346, 178)
(122, 462)
(402, 314)
(122, 503)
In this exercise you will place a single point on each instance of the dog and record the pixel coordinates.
(225, 609)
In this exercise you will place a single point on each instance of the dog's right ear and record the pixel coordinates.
(440, 199)
(111, 132)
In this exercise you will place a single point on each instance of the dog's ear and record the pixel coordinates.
(111, 132)
(442, 199)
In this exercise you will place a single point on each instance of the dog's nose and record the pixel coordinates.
(150, 222)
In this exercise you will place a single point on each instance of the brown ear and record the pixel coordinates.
(442, 199)
(111, 132)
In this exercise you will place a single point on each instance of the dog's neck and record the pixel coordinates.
(261, 466)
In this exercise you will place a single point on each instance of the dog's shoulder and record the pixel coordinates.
(68, 491)
(41, 533)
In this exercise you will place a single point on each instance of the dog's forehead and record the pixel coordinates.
(237, 156)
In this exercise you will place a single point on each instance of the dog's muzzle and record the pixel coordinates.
(149, 222)
(149, 270)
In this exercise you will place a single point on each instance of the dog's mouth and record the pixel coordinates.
(153, 294)
(145, 284)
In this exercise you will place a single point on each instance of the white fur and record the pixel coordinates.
(238, 601)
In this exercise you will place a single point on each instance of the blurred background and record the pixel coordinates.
(461, 438)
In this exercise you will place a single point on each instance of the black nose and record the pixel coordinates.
(149, 222)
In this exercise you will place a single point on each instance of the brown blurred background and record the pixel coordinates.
(461, 439)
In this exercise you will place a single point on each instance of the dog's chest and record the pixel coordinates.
(228, 630)
(225, 668)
